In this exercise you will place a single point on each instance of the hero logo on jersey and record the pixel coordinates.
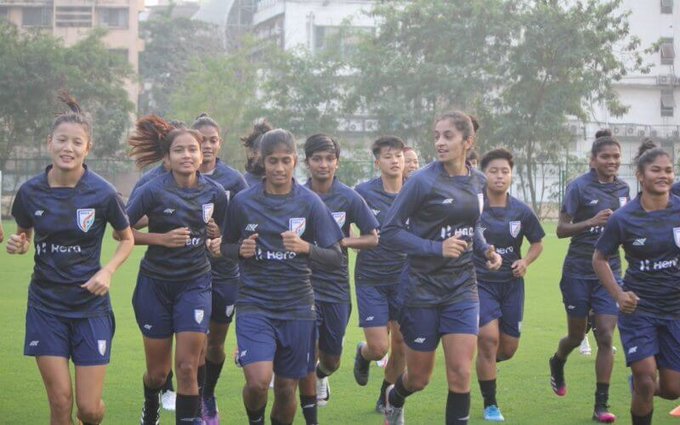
(297, 225)
(515, 227)
(208, 211)
(676, 236)
(340, 218)
(85, 218)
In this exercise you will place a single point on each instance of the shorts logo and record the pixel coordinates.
(243, 353)
(632, 350)
(208, 211)
(480, 199)
(340, 217)
(515, 227)
(622, 201)
(85, 218)
(39, 213)
(297, 225)
(168, 211)
(228, 193)
(419, 340)
(198, 315)
(148, 326)
(571, 307)
(369, 318)
(34, 343)
(640, 242)
(676, 236)
(101, 346)
(229, 310)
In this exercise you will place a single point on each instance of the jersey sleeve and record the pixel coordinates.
(362, 215)
(571, 201)
(611, 238)
(232, 224)
(394, 231)
(139, 205)
(533, 230)
(240, 184)
(115, 212)
(21, 215)
(221, 204)
(326, 231)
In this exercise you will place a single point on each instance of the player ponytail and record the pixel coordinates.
(603, 137)
(75, 115)
(647, 153)
(152, 139)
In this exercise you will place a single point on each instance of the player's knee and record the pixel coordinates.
(331, 365)
(506, 353)
(91, 413)
(215, 349)
(378, 349)
(186, 370)
(61, 403)
(417, 382)
(156, 378)
(257, 387)
(645, 385)
(487, 345)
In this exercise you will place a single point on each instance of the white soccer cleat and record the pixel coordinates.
(585, 349)
(168, 399)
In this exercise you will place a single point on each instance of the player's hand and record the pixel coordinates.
(601, 218)
(627, 301)
(248, 247)
(18, 244)
(493, 259)
(292, 242)
(2, 233)
(177, 238)
(213, 246)
(99, 284)
(519, 268)
(453, 247)
(213, 229)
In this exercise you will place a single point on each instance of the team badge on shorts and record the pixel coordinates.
(101, 346)
(340, 217)
(515, 227)
(208, 211)
(198, 315)
(229, 310)
(297, 225)
(85, 218)
(622, 201)
(676, 236)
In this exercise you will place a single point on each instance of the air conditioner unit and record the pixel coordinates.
(630, 130)
(616, 130)
(641, 133)
(371, 125)
(653, 133)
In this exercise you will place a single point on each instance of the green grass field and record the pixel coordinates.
(524, 392)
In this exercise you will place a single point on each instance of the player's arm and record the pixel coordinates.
(100, 283)
(519, 267)
(175, 238)
(367, 241)
(566, 228)
(20, 242)
(627, 300)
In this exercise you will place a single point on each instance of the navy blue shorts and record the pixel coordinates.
(645, 336)
(582, 295)
(331, 323)
(87, 340)
(503, 301)
(288, 343)
(224, 294)
(163, 308)
(378, 304)
(422, 327)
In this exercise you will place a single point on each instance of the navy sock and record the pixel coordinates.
(457, 408)
(256, 417)
(399, 393)
(488, 389)
(152, 401)
(642, 420)
(212, 374)
(309, 409)
(276, 422)
(187, 410)
(383, 388)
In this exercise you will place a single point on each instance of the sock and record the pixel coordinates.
(321, 372)
(309, 409)
(276, 422)
(212, 374)
(256, 417)
(642, 420)
(152, 401)
(457, 408)
(188, 408)
(602, 394)
(88, 423)
(559, 360)
(200, 378)
(383, 388)
(399, 393)
(168, 383)
(488, 389)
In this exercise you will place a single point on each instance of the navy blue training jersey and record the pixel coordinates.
(252, 179)
(276, 282)
(651, 241)
(147, 177)
(437, 206)
(383, 264)
(69, 225)
(505, 228)
(584, 198)
(233, 182)
(169, 207)
(347, 207)
(675, 190)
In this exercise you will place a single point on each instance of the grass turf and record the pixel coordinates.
(524, 392)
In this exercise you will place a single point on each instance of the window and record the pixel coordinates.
(4, 12)
(73, 16)
(341, 40)
(667, 51)
(667, 103)
(113, 17)
(36, 17)
(118, 56)
(667, 6)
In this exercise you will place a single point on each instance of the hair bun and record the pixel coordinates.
(603, 132)
(66, 98)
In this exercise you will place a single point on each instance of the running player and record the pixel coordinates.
(331, 287)
(224, 272)
(648, 228)
(277, 227)
(254, 170)
(69, 313)
(172, 296)
(442, 204)
(377, 272)
(506, 222)
(589, 201)
(411, 163)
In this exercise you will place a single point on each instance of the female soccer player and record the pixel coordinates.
(506, 222)
(254, 170)
(331, 287)
(648, 228)
(442, 204)
(224, 272)
(411, 163)
(69, 312)
(172, 296)
(277, 227)
(589, 201)
(377, 273)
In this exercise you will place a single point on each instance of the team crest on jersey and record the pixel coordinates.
(85, 218)
(101, 346)
(480, 198)
(340, 217)
(515, 227)
(297, 225)
(622, 201)
(676, 236)
(198, 315)
(208, 211)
